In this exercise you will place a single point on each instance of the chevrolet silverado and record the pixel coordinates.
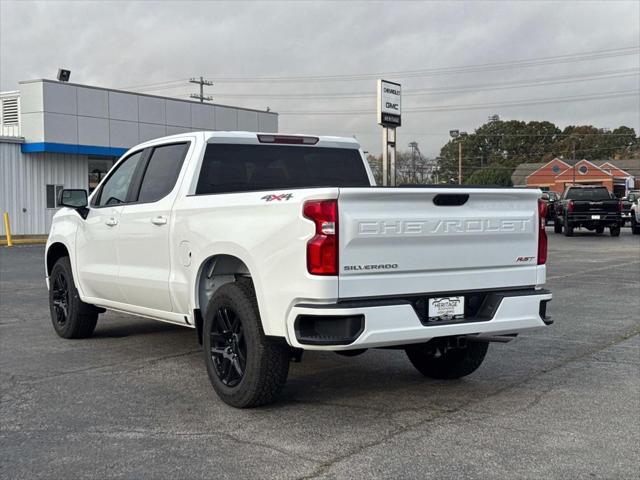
(268, 245)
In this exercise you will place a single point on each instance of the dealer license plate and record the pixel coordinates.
(595, 217)
(446, 307)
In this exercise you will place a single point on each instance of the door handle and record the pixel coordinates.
(159, 220)
(112, 222)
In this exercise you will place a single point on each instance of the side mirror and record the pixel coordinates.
(73, 198)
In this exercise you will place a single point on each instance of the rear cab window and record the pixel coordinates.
(597, 194)
(231, 168)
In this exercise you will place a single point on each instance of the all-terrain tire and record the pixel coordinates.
(635, 226)
(599, 230)
(614, 231)
(568, 228)
(266, 365)
(70, 316)
(448, 364)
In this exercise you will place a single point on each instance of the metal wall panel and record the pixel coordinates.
(93, 102)
(32, 126)
(59, 98)
(123, 134)
(24, 181)
(149, 131)
(267, 122)
(178, 113)
(171, 130)
(67, 113)
(60, 128)
(152, 110)
(226, 118)
(123, 106)
(31, 97)
(202, 116)
(93, 131)
(248, 121)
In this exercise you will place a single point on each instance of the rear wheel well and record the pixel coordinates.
(215, 272)
(56, 252)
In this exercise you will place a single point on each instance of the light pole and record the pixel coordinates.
(457, 134)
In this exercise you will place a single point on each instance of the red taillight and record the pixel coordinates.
(620, 207)
(322, 249)
(542, 233)
(570, 206)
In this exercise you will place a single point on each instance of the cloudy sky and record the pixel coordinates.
(316, 62)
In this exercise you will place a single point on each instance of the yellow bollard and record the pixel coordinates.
(7, 229)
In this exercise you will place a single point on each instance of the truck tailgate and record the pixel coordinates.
(427, 240)
(603, 206)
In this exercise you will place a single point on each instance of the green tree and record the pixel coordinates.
(506, 144)
(490, 176)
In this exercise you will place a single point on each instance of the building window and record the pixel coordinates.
(98, 169)
(583, 169)
(52, 195)
(555, 169)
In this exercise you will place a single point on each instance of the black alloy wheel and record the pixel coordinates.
(228, 346)
(70, 316)
(60, 289)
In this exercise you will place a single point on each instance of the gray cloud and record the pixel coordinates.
(118, 44)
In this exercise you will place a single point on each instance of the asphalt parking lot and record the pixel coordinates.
(134, 401)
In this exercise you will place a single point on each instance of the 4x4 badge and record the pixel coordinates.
(279, 198)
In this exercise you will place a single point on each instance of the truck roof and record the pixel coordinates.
(252, 137)
(242, 137)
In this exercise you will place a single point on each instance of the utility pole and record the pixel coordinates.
(202, 82)
(574, 162)
(458, 136)
(459, 162)
(414, 147)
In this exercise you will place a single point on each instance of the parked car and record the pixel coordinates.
(588, 206)
(550, 198)
(627, 202)
(268, 245)
(634, 199)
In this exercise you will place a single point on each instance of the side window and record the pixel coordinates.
(162, 172)
(115, 189)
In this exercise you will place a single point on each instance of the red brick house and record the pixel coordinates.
(583, 173)
(557, 173)
(545, 176)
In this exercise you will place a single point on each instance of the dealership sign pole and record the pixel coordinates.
(389, 111)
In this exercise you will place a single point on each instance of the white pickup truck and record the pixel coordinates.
(272, 244)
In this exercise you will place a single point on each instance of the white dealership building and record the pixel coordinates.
(59, 134)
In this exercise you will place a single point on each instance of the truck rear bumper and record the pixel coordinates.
(382, 323)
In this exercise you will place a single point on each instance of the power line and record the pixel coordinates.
(150, 86)
(566, 58)
(477, 106)
(631, 72)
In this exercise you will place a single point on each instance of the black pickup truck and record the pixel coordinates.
(591, 207)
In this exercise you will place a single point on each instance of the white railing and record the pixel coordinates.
(9, 130)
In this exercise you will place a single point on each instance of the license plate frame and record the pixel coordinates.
(446, 308)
